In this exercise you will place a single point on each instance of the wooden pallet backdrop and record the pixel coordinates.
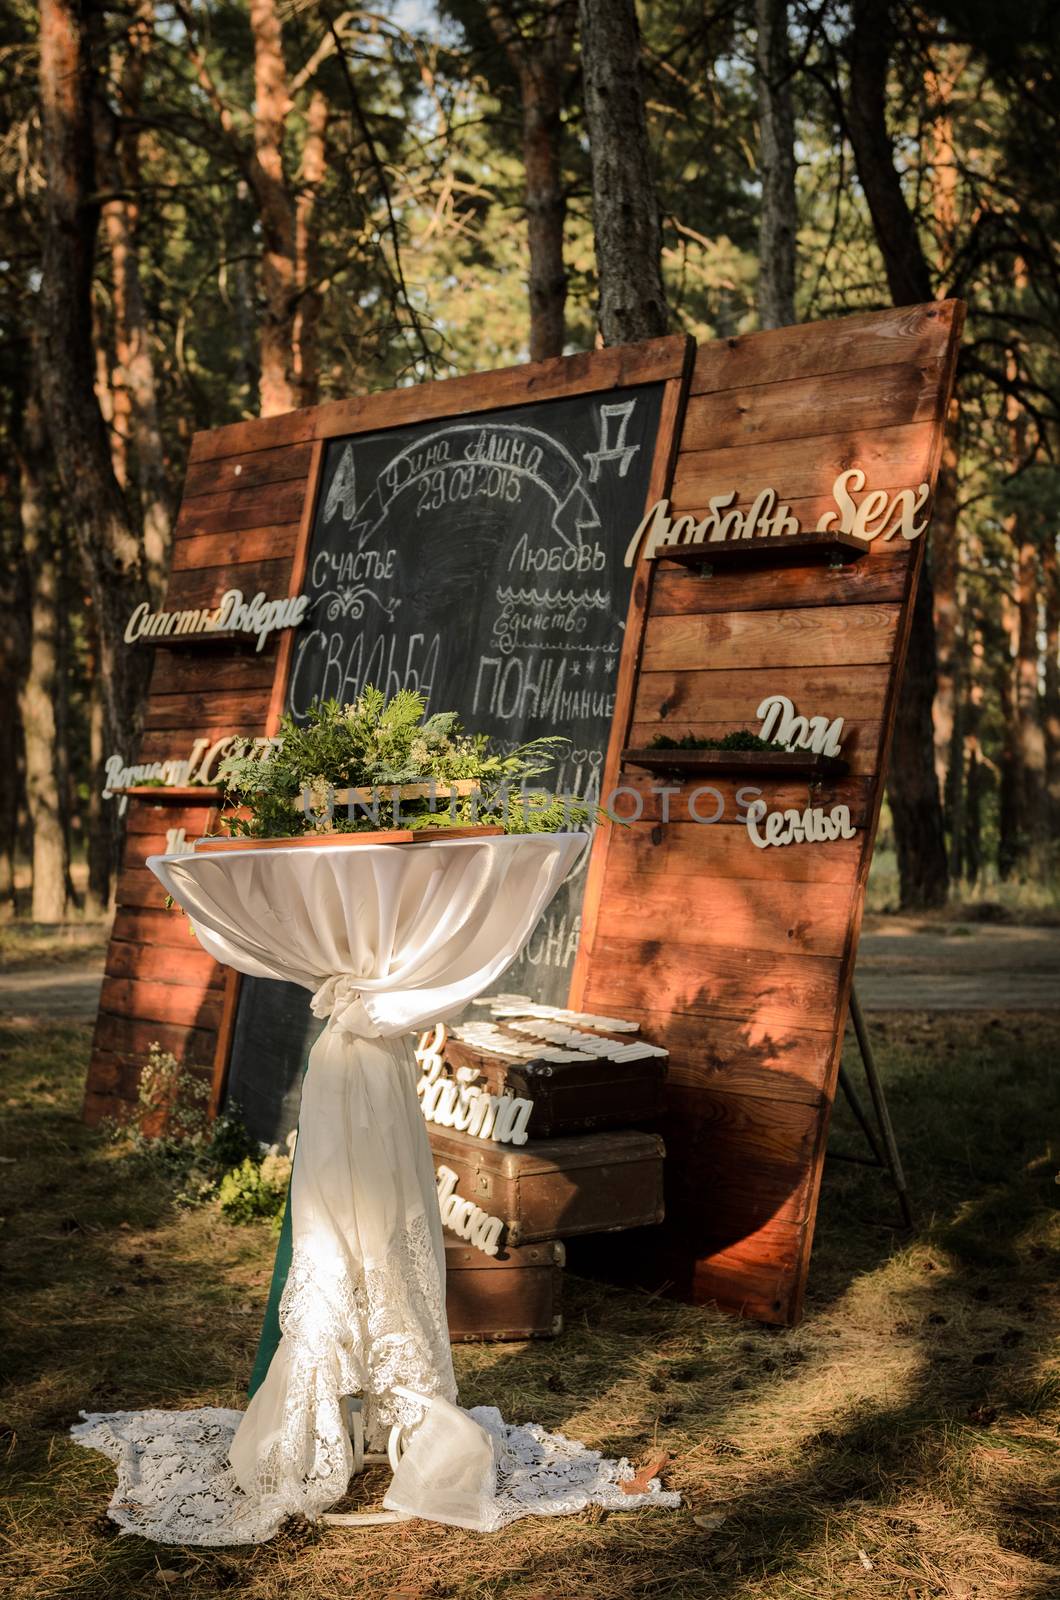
(739, 960)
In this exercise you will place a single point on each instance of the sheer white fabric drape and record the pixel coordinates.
(388, 938)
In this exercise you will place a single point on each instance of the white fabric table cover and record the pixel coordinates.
(388, 938)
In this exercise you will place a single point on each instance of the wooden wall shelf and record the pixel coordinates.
(762, 763)
(789, 549)
(173, 794)
(216, 639)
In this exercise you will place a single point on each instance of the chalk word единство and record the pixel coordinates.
(232, 614)
(503, 1118)
(464, 1217)
(879, 515)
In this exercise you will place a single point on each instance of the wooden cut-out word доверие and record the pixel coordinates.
(812, 826)
(464, 1217)
(879, 515)
(232, 614)
(780, 722)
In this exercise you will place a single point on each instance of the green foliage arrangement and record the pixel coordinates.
(739, 739)
(385, 748)
(256, 1191)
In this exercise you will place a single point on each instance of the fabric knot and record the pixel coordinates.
(340, 1000)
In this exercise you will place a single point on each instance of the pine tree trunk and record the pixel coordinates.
(912, 788)
(14, 646)
(913, 785)
(279, 390)
(308, 304)
(540, 62)
(135, 387)
(776, 160)
(945, 568)
(100, 818)
(1030, 734)
(109, 543)
(626, 222)
(40, 691)
(1051, 576)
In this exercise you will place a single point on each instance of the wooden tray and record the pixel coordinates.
(384, 836)
(763, 763)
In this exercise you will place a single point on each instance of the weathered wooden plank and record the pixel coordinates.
(754, 913)
(717, 802)
(160, 963)
(689, 850)
(190, 1004)
(775, 1062)
(206, 710)
(280, 464)
(734, 695)
(275, 542)
(909, 334)
(159, 744)
(740, 984)
(138, 886)
(800, 469)
(877, 578)
(233, 510)
(801, 408)
(860, 740)
(155, 818)
(190, 671)
(204, 588)
(588, 372)
(141, 926)
(132, 1038)
(810, 636)
(741, 1162)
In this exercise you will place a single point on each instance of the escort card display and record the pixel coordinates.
(641, 542)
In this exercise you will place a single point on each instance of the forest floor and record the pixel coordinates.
(902, 1442)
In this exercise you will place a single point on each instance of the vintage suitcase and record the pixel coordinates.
(517, 1294)
(569, 1096)
(555, 1188)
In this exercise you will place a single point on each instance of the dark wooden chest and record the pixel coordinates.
(517, 1294)
(569, 1096)
(556, 1188)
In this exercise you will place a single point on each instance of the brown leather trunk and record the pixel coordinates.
(571, 1096)
(517, 1294)
(556, 1188)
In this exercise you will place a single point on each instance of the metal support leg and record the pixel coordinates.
(853, 1100)
(879, 1105)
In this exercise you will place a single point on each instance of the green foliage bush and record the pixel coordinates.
(379, 745)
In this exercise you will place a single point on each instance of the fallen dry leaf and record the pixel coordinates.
(640, 1480)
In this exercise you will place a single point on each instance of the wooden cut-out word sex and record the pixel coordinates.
(780, 722)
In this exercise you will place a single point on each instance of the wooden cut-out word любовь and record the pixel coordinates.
(880, 514)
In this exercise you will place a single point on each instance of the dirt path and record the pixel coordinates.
(903, 965)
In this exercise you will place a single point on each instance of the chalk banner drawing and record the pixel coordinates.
(479, 560)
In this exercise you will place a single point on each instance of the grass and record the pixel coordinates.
(902, 1442)
(33, 944)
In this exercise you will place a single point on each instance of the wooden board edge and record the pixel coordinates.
(956, 311)
(299, 563)
(667, 446)
(588, 371)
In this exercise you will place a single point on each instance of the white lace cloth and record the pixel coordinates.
(175, 1484)
(389, 937)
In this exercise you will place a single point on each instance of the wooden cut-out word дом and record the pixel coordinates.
(812, 826)
(780, 722)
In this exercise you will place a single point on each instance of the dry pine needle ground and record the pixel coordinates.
(902, 1442)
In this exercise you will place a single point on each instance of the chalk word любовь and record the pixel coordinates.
(502, 1118)
(232, 614)
(464, 1217)
(880, 514)
(812, 826)
(779, 721)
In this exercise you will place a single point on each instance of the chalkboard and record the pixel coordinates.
(480, 561)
